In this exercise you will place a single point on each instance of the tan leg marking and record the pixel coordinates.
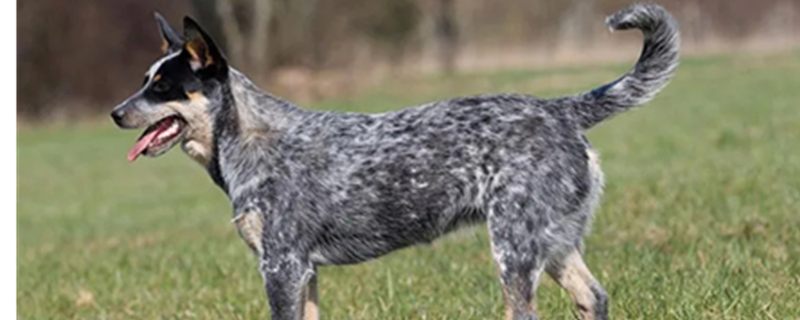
(251, 229)
(575, 277)
(310, 300)
(531, 306)
(510, 303)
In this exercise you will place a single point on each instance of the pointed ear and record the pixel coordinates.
(203, 54)
(172, 40)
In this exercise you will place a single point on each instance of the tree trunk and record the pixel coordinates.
(205, 11)
(232, 32)
(259, 36)
(446, 33)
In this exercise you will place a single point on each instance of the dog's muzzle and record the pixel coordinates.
(118, 115)
(127, 115)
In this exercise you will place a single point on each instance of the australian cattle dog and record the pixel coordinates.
(314, 188)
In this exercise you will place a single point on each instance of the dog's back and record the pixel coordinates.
(382, 182)
(386, 181)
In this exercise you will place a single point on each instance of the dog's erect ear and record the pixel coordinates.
(204, 55)
(172, 40)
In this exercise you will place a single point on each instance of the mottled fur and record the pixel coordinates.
(312, 188)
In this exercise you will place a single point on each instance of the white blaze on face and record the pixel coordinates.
(157, 65)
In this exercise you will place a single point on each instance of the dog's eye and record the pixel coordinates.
(160, 87)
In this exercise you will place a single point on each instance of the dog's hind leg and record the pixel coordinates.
(571, 273)
(519, 255)
(285, 280)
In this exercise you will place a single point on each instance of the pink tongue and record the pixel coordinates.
(141, 144)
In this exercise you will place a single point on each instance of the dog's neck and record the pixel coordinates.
(248, 109)
(245, 117)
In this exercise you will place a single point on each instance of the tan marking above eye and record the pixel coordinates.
(156, 77)
(194, 95)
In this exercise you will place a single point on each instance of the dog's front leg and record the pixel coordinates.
(285, 278)
(276, 237)
(311, 299)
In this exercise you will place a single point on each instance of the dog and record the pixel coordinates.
(313, 188)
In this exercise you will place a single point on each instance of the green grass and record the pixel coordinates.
(700, 218)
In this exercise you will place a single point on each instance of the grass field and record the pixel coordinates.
(700, 218)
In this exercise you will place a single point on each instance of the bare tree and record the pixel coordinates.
(446, 34)
(259, 35)
(232, 32)
(576, 26)
(205, 11)
(245, 29)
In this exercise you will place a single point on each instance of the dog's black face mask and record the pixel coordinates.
(173, 103)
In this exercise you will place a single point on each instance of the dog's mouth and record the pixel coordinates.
(158, 138)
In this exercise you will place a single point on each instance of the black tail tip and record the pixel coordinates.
(639, 16)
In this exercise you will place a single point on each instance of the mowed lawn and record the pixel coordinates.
(700, 218)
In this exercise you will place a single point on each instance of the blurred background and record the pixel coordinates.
(81, 57)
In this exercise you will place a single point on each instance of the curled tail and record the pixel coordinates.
(652, 72)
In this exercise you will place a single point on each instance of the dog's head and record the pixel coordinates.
(174, 103)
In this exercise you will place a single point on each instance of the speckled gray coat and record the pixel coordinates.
(313, 188)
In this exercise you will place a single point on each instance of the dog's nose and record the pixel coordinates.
(117, 115)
